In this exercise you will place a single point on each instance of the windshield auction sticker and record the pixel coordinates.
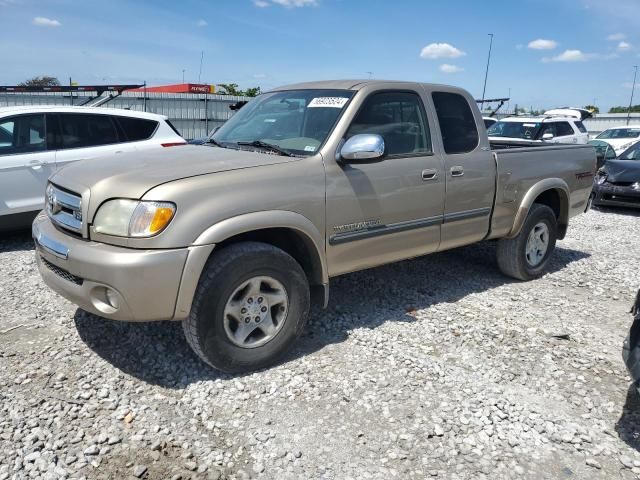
(332, 102)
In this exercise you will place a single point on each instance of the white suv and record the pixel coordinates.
(36, 141)
(555, 126)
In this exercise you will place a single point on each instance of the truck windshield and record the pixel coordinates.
(295, 122)
(524, 130)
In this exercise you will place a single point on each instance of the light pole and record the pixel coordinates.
(183, 70)
(486, 73)
(633, 87)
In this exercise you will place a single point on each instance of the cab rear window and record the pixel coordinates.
(457, 124)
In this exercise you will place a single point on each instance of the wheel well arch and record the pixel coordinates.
(552, 192)
(556, 199)
(292, 241)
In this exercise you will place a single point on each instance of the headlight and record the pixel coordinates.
(635, 186)
(601, 179)
(133, 218)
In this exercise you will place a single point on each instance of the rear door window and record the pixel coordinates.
(581, 127)
(548, 128)
(78, 130)
(399, 118)
(563, 129)
(137, 129)
(457, 123)
(22, 134)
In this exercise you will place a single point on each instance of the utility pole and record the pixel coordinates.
(486, 73)
(370, 74)
(201, 59)
(635, 73)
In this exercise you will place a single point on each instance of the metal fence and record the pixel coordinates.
(602, 121)
(194, 115)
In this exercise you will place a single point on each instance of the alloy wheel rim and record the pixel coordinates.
(537, 244)
(255, 312)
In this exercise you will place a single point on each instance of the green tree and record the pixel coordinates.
(592, 108)
(232, 89)
(634, 109)
(43, 81)
(252, 92)
(229, 89)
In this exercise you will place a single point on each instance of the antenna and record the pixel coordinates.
(635, 73)
(486, 73)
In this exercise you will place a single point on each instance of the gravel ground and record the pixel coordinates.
(435, 367)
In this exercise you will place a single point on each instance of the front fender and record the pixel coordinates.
(203, 246)
(249, 222)
(557, 184)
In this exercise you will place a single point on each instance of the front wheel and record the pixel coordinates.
(251, 304)
(526, 256)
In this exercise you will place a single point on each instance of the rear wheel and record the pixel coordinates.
(525, 257)
(251, 304)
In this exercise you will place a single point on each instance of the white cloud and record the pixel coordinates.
(622, 46)
(570, 56)
(447, 68)
(542, 44)
(629, 85)
(46, 22)
(616, 36)
(259, 75)
(202, 23)
(261, 3)
(6, 3)
(440, 50)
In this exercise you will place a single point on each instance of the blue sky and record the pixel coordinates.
(588, 50)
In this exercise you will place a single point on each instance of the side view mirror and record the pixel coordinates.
(547, 136)
(362, 148)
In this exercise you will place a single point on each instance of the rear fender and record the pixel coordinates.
(556, 184)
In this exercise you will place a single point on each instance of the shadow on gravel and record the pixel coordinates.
(632, 212)
(16, 241)
(158, 353)
(628, 426)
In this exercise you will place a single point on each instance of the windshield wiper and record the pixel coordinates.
(270, 146)
(215, 142)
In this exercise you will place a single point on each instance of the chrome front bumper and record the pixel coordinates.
(112, 282)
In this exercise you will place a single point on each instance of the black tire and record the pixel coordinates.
(511, 252)
(225, 271)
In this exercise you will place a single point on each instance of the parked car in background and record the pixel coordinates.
(489, 121)
(604, 151)
(631, 346)
(527, 130)
(617, 183)
(620, 138)
(36, 141)
(305, 183)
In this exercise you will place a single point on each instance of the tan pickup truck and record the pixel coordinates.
(304, 183)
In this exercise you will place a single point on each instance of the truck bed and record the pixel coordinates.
(519, 168)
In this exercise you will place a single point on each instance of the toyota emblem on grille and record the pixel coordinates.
(54, 206)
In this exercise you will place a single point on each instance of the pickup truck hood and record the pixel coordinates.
(131, 175)
(622, 170)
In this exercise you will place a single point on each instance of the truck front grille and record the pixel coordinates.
(61, 272)
(64, 208)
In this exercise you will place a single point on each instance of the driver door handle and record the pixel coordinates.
(35, 164)
(457, 171)
(429, 174)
